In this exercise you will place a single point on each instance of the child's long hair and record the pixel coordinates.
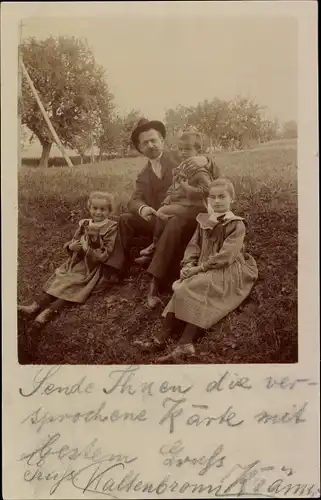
(101, 195)
(224, 183)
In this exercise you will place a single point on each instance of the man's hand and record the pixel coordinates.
(75, 246)
(147, 213)
(163, 216)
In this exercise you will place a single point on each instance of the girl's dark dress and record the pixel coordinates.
(75, 279)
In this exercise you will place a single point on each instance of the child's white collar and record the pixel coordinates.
(209, 221)
(215, 215)
(98, 225)
(92, 224)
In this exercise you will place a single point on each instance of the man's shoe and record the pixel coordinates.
(149, 250)
(144, 259)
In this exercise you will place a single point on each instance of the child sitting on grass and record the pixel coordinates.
(188, 191)
(216, 275)
(76, 278)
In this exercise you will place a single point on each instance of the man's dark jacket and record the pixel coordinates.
(150, 190)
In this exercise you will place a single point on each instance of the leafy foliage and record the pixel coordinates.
(226, 124)
(117, 131)
(71, 86)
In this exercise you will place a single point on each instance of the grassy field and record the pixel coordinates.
(263, 330)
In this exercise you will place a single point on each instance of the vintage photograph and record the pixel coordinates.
(157, 190)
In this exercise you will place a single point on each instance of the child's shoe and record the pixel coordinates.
(181, 351)
(43, 318)
(28, 310)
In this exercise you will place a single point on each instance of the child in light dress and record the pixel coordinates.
(216, 275)
(89, 249)
(188, 191)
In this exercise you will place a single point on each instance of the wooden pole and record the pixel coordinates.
(45, 115)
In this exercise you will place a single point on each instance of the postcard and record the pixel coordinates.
(160, 250)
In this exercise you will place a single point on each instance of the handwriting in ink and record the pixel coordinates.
(229, 382)
(175, 456)
(43, 388)
(286, 383)
(254, 479)
(107, 479)
(124, 381)
(283, 417)
(40, 418)
(177, 408)
(53, 446)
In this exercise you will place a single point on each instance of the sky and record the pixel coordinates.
(154, 63)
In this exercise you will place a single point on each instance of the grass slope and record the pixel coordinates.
(263, 330)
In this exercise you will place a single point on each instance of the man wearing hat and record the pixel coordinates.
(151, 186)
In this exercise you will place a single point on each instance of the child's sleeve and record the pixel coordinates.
(193, 250)
(202, 181)
(103, 253)
(76, 237)
(213, 168)
(169, 192)
(231, 247)
(167, 199)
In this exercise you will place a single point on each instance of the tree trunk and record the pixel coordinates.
(46, 147)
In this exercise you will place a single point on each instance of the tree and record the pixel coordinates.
(245, 122)
(71, 87)
(128, 122)
(81, 143)
(290, 130)
(176, 120)
(26, 137)
(269, 130)
(227, 124)
(224, 124)
(211, 118)
(117, 130)
(111, 136)
(104, 133)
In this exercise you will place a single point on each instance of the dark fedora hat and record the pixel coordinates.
(143, 125)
